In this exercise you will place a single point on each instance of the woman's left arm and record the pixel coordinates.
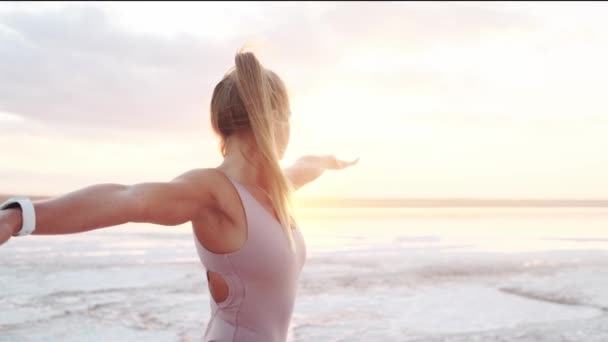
(308, 168)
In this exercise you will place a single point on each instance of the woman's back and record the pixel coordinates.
(261, 276)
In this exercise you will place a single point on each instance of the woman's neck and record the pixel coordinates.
(244, 163)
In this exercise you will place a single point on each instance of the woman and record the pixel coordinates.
(243, 230)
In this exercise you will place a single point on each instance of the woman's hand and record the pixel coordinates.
(8, 224)
(308, 168)
(5, 234)
(327, 162)
(333, 163)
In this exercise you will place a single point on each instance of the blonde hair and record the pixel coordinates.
(252, 97)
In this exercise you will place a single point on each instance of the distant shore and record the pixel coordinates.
(448, 203)
(4, 197)
(337, 202)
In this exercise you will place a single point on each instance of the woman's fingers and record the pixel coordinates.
(352, 162)
(333, 163)
(341, 164)
(5, 234)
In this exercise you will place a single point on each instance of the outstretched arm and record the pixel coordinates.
(309, 168)
(104, 205)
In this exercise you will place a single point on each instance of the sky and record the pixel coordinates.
(449, 99)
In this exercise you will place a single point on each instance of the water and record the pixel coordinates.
(372, 274)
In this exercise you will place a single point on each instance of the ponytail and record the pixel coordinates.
(255, 88)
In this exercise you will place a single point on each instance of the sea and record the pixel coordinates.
(371, 274)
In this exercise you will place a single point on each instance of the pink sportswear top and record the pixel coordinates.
(262, 279)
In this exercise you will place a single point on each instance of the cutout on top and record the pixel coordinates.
(218, 287)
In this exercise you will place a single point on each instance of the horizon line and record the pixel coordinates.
(435, 202)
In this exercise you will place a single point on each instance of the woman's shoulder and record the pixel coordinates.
(212, 181)
(205, 179)
(225, 209)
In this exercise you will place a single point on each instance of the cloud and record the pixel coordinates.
(416, 25)
(6, 117)
(72, 66)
